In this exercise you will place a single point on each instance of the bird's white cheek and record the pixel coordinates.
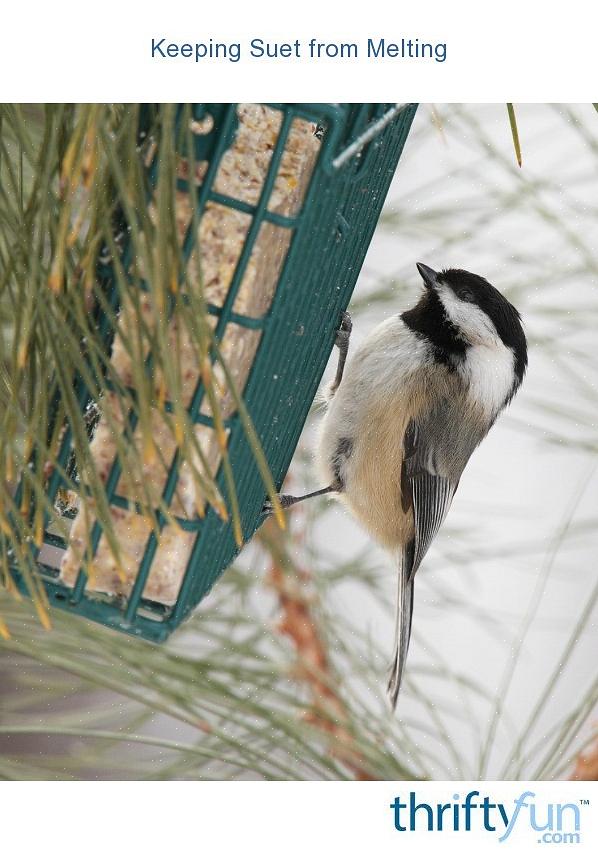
(488, 371)
(474, 323)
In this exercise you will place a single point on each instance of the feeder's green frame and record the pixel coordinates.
(361, 147)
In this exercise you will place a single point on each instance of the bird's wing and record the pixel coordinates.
(429, 482)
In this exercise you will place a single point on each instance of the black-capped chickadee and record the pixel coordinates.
(403, 418)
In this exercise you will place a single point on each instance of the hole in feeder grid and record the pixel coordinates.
(243, 167)
(263, 271)
(238, 348)
(296, 167)
(221, 236)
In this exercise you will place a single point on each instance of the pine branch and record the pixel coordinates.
(313, 668)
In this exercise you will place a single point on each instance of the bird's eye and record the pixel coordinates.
(466, 294)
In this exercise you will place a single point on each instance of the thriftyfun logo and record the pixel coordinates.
(554, 823)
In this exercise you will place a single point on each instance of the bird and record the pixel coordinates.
(407, 410)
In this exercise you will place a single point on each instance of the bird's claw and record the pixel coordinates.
(344, 330)
(285, 502)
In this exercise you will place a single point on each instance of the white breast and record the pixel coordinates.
(488, 372)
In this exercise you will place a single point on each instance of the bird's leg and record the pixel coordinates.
(342, 342)
(290, 500)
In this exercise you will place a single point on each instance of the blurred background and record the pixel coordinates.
(281, 673)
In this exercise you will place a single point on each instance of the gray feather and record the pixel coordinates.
(432, 497)
(437, 447)
(432, 467)
(402, 629)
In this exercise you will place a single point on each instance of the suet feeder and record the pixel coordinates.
(275, 211)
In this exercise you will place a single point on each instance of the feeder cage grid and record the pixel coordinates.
(293, 237)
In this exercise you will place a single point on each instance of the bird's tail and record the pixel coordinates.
(402, 630)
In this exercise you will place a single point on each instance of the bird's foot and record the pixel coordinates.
(285, 502)
(344, 331)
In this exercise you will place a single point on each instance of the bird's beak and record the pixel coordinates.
(429, 276)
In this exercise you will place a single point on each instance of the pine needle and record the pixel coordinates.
(514, 133)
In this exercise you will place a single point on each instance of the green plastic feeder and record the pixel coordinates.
(359, 152)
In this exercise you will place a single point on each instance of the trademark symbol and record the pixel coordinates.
(584, 802)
